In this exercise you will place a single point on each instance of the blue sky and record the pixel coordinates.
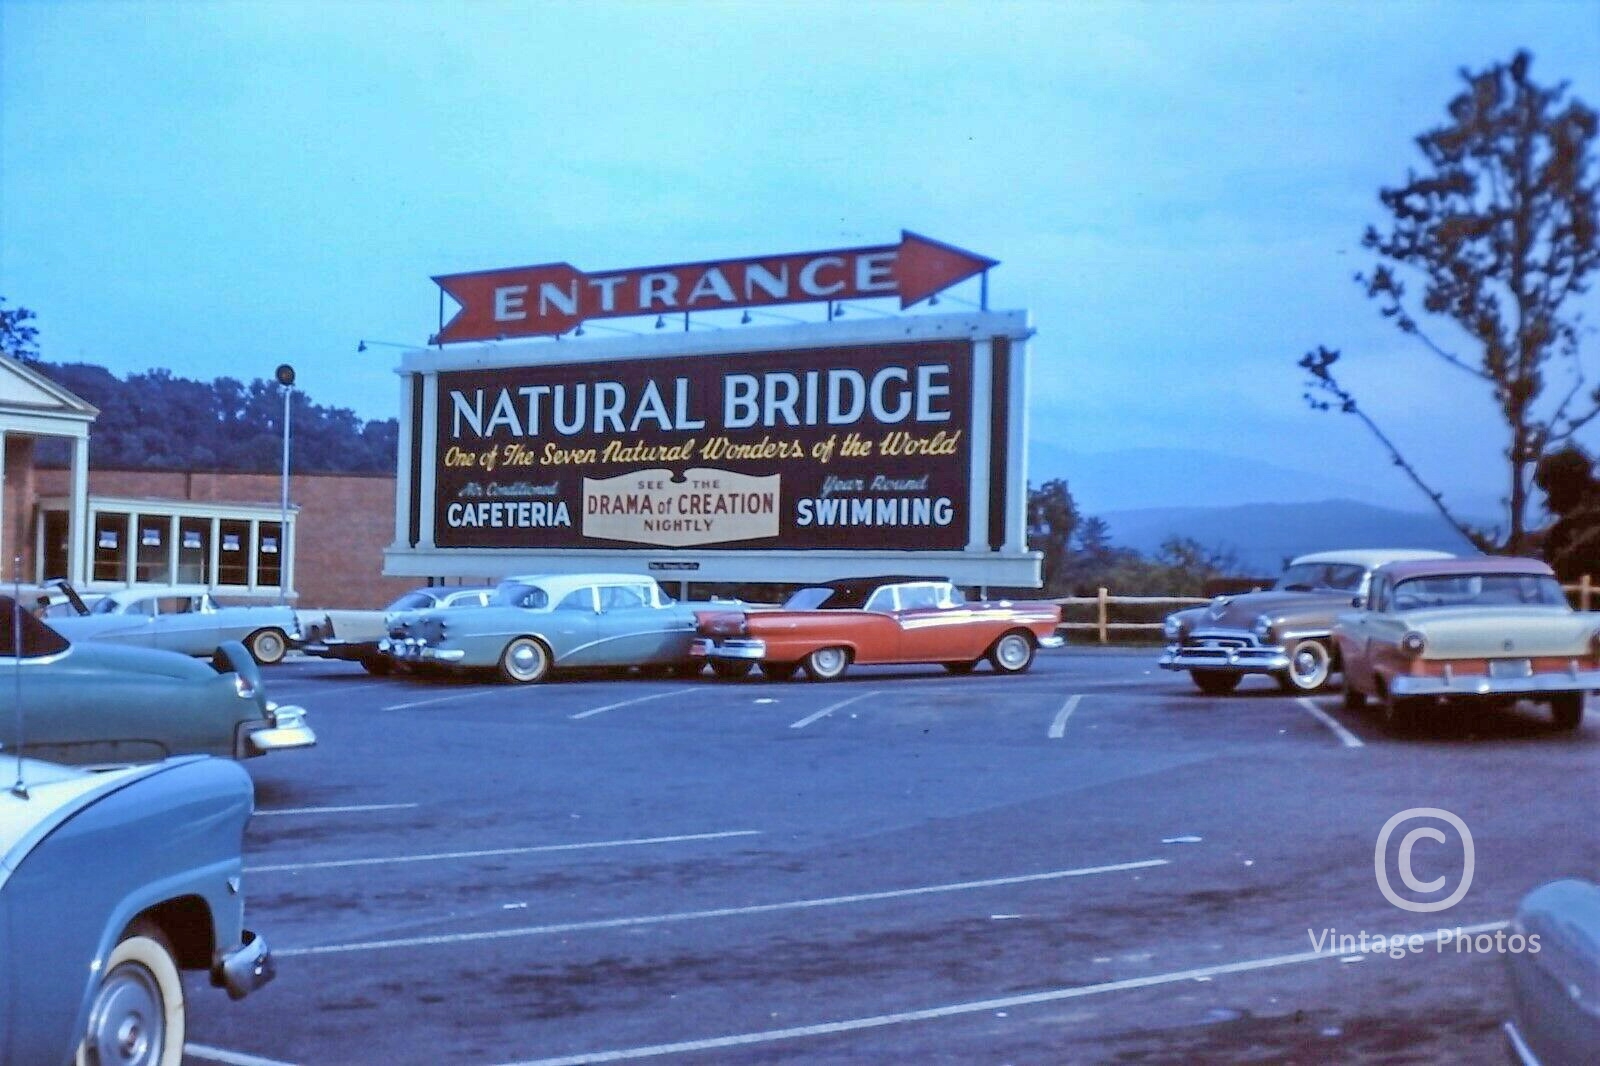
(1176, 191)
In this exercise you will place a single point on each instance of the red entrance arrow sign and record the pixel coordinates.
(553, 298)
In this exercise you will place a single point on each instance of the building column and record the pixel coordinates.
(5, 541)
(214, 554)
(402, 472)
(978, 448)
(430, 447)
(1017, 448)
(130, 550)
(78, 530)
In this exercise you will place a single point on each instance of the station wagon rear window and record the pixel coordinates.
(1477, 590)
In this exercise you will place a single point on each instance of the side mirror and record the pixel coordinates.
(1358, 602)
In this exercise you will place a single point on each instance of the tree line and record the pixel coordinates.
(156, 420)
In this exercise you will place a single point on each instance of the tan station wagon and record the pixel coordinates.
(1489, 630)
(1285, 632)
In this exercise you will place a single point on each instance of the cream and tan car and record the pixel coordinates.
(1490, 629)
(1285, 632)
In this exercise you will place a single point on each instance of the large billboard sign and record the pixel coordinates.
(553, 298)
(781, 453)
(861, 447)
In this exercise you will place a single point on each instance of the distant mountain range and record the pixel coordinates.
(1265, 512)
(1137, 478)
(1264, 535)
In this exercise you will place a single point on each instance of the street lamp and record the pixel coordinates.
(285, 378)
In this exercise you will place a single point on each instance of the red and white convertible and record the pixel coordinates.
(876, 620)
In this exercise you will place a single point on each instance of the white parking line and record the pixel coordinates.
(808, 719)
(334, 864)
(353, 809)
(720, 912)
(592, 711)
(474, 694)
(1347, 738)
(978, 1007)
(1058, 728)
(231, 1058)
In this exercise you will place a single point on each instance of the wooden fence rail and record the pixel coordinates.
(1102, 626)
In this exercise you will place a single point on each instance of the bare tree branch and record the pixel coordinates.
(1319, 365)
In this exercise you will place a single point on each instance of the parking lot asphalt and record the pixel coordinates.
(1088, 863)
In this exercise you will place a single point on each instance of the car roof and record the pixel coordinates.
(127, 595)
(1371, 557)
(1483, 564)
(560, 584)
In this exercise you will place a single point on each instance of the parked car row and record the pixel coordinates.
(540, 623)
(1406, 629)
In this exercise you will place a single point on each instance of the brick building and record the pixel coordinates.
(339, 525)
(108, 529)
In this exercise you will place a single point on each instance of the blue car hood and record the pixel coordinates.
(91, 655)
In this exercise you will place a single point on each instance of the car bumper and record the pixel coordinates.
(343, 650)
(245, 968)
(742, 649)
(1052, 641)
(288, 730)
(412, 650)
(1259, 660)
(1480, 685)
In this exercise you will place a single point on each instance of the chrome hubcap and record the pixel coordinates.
(268, 646)
(828, 660)
(526, 660)
(1013, 651)
(1310, 666)
(126, 1023)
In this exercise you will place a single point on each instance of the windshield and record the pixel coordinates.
(1321, 577)
(1478, 590)
(105, 606)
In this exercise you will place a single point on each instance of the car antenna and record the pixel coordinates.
(19, 788)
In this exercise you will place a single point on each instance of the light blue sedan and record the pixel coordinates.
(185, 620)
(545, 622)
(111, 884)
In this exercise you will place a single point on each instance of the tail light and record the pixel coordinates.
(244, 688)
(1413, 644)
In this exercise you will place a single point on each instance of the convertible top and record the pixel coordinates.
(873, 582)
(37, 638)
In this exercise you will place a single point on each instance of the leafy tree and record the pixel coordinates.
(1052, 517)
(1572, 494)
(18, 339)
(156, 420)
(1502, 230)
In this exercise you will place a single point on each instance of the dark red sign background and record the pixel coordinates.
(941, 479)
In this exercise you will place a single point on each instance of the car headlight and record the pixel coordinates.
(1263, 629)
(1413, 644)
(1172, 627)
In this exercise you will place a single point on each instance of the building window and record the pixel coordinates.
(153, 562)
(269, 557)
(233, 552)
(110, 529)
(194, 551)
